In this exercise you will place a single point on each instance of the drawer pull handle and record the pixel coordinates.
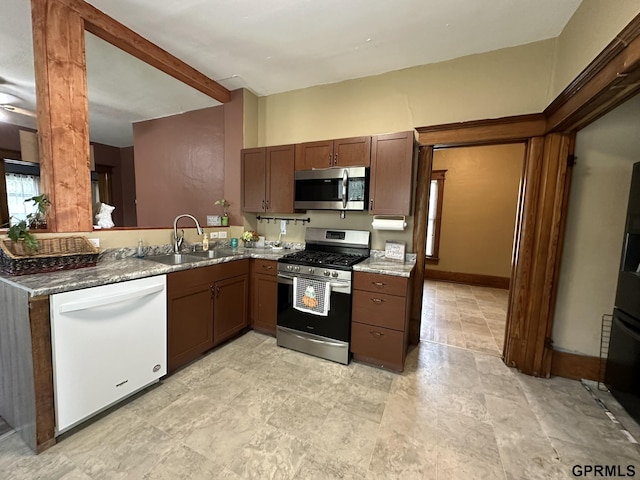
(376, 334)
(267, 267)
(377, 300)
(379, 284)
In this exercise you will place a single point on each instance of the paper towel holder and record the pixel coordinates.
(389, 222)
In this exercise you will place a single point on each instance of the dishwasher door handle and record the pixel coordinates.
(104, 301)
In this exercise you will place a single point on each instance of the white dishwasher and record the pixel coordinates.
(108, 342)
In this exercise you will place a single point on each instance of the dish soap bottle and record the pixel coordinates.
(205, 242)
(140, 250)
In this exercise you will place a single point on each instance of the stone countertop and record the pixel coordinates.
(120, 270)
(378, 264)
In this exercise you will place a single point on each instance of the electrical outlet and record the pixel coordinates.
(222, 234)
(214, 235)
(95, 241)
(283, 227)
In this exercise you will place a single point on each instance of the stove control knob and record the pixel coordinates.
(326, 273)
(296, 268)
(311, 270)
(289, 267)
(334, 274)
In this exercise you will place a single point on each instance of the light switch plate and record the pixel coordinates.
(222, 234)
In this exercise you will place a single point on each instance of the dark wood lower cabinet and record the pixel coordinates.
(205, 306)
(264, 296)
(230, 307)
(380, 319)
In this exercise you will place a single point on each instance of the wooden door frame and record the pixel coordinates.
(612, 78)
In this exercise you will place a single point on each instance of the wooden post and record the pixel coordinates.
(425, 160)
(63, 126)
(537, 254)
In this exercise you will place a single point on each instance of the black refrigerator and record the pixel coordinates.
(622, 374)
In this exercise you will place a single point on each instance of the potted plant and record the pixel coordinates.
(38, 219)
(249, 237)
(225, 209)
(19, 233)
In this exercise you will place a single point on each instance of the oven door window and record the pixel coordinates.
(336, 325)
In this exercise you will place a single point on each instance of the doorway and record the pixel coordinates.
(542, 204)
(468, 260)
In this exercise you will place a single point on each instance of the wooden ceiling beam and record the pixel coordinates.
(112, 31)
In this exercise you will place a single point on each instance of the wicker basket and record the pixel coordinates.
(58, 253)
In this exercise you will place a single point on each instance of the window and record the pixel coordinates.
(434, 216)
(22, 180)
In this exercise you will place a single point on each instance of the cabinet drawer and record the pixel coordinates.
(231, 269)
(266, 267)
(378, 346)
(379, 309)
(375, 282)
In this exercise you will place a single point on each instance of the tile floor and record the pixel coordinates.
(253, 410)
(464, 316)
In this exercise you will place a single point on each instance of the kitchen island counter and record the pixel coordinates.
(120, 270)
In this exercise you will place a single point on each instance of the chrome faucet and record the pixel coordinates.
(178, 239)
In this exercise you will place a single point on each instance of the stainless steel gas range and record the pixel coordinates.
(314, 292)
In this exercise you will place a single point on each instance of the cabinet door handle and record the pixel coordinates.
(377, 300)
(330, 159)
(371, 204)
(263, 205)
(376, 334)
(213, 292)
(379, 284)
(267, 204)
(335, 158)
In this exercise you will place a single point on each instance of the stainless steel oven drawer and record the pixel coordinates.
(311, 344)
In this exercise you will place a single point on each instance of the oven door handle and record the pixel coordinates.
(331, 284)
(285, 276)
(309, 339)
(345, 287)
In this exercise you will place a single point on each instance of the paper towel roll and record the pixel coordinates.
(388, 223)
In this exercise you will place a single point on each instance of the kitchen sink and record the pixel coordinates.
(175, 258)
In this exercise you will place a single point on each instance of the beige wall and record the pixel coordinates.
(505, 82)
(353, 221)
(479, 208)
(594, 25)
(605, 151)
(250, 115)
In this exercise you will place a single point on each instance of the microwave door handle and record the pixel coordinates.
(345, 182)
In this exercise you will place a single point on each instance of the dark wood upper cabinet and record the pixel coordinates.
(267, 179)
(279, 179)
(391, 174)
(254, 174)
(344, 152)
(314, 155)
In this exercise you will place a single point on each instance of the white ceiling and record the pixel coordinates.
(270, 47)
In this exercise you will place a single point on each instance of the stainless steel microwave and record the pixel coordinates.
(344, 188)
